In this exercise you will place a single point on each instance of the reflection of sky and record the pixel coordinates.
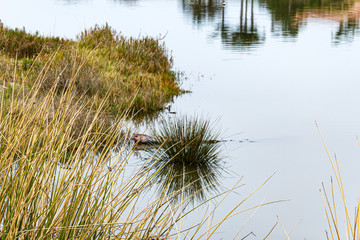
(272, 95)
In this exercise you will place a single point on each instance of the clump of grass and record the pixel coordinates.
(188, 162)
(193, 141)
(38, 199)
(91, 198)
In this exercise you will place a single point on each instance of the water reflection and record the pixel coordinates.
(202, 11)
(347, 31)
(283, 16)
(187, 182)
(287, 18)
(245, 35)
(126, 2)
(346, 14)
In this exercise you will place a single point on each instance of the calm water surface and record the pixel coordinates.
(268, 69)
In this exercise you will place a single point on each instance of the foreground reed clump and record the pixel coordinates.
(90, 198)
(188, 162)
(92, 195)
(341, 224)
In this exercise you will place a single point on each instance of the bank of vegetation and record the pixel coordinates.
(131, 74)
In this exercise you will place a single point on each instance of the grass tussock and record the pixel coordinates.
(189, 157)
(193, 141)
(131, 74)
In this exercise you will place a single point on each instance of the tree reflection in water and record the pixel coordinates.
(246, 35)
(242, 36)
(288, 17)
(347, 31)
(202, 11)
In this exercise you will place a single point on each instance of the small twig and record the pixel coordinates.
(251, 233)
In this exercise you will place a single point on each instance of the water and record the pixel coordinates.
(267, 73)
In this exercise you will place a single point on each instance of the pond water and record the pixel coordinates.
(267, 69)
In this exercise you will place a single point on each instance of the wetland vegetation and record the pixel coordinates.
(67, 168)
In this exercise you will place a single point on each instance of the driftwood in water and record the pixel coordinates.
(143, 139)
